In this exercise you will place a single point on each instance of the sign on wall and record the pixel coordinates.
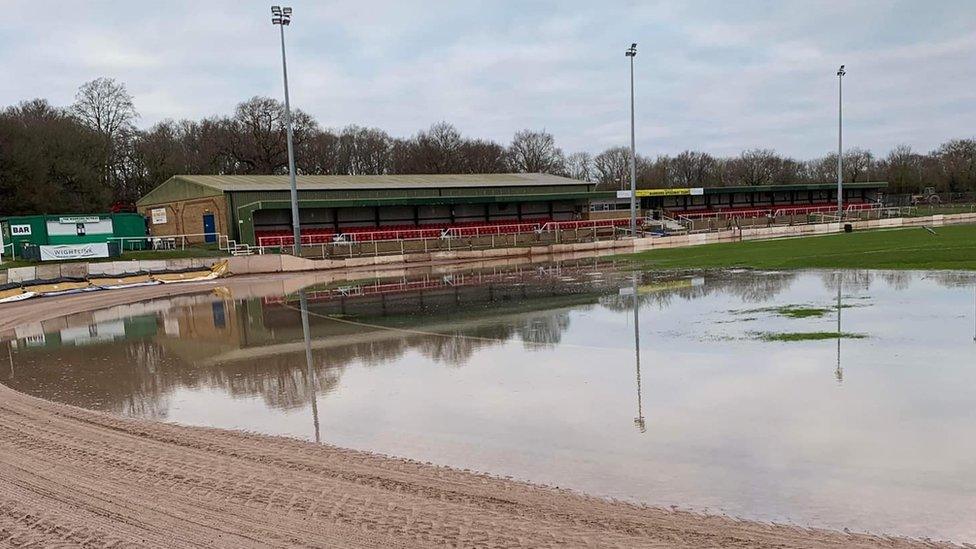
(677, 191)
(79, 226)
(158, 216)
(20, 230)
(79, 219)
(73, 251)
(670, 192)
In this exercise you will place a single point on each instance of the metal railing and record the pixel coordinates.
(487, 230)
(588, 224)
(168, 242)
(426, 240)
(3, 253)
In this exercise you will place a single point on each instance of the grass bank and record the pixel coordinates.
(952, 247)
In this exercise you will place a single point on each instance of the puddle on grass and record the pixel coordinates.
(546, 374)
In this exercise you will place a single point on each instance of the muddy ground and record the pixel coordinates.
(72, 477)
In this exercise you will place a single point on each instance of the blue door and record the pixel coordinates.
(209, 228)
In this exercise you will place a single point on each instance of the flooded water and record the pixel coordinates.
(726, 392)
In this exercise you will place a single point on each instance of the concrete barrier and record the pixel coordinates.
(290, 263)
(179, 264)
(74, 270)
(387, 263)
(152, 265)
(47, 272)
(21, 274)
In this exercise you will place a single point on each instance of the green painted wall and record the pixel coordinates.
(123, 225)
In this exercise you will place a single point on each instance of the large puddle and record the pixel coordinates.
(726, 392)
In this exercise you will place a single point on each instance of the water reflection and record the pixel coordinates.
(309, 364)
(527, 372)
(839, 371)
(639, 420)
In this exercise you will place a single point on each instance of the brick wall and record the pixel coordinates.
(186, 217)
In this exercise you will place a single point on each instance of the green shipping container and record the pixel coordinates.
(45, 230)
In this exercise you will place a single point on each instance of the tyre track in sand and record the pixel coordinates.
(71, 477)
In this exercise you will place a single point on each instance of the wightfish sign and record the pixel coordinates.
(73, 251)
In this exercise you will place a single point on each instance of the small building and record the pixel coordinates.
(66, 230)
(247, 208)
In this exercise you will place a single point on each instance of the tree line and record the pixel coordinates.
(88, 155)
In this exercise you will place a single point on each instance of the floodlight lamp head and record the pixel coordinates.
(841, 71)
(632, 51)
(280, 16)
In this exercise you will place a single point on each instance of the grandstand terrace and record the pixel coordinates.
(256, 210)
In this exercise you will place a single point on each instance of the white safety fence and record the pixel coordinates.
(7, 253)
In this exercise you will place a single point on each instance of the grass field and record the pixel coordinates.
(952, 247)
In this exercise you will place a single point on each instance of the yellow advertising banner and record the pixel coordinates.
(678, 191)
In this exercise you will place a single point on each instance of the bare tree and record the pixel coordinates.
(857, 164)
(957, 164)
(903, 169)
(535, 152)
(481, 156)
(49, 162)
(321, 153)
(105, 106)
(755, 167)
(579, 165)
(257, 135)
(691, 168)
(435, 150)
(365, 151)
(613, 167)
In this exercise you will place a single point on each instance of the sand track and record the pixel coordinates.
(72, 477)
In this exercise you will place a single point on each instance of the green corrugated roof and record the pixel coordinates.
(358, 182)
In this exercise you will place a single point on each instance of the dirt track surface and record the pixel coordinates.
(73, 477)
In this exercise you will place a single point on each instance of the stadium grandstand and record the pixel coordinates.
(256, 210)
(746, 201)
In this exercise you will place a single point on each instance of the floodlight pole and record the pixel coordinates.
(840, 141)
(282, 17)
(632, 53)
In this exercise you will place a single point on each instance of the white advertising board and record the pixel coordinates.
(85, 226)
(158, 216)
(73, 251)
(20, 230)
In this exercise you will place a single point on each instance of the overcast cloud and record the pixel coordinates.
(716, 76)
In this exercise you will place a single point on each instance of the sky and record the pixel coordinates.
(719, 76)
